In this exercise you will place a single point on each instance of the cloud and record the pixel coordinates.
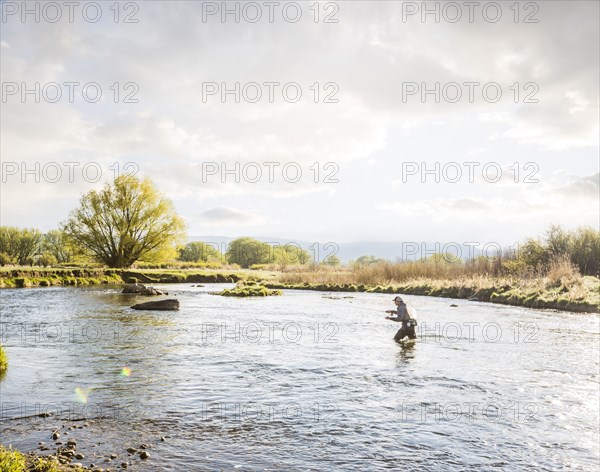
(586, 188)
(229, 216)
(577, 197)
(369, 54)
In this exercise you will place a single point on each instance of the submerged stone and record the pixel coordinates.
(162, 305)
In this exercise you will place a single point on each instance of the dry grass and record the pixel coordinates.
(560, 286)
(563, 272)
(385, 273)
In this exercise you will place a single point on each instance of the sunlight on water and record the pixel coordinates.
(302, 380)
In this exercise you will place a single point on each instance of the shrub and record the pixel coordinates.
(6, 259)
(46, 260)
(11, 460)
(249, 289)
(562, 272)
(3, 361)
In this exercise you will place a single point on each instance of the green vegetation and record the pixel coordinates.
(3, 361)
(19, 246)
(248, 252)
(24, 277)
(365, 261)
(11, 460)
(580, 247)
(249, 289)
(332, 261)
(14, 461)
(199, 252)
(578, 294)
(559, 270)
(56, 245)
(125, 222)
(181, 276)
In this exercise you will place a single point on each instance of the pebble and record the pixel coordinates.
(144, 446)
(79, 456)
(113, 456)
(71, 442)
(124, 465)
(131, 450)
(77, 464)
(55, 435)
(162, 438)
(144, 455)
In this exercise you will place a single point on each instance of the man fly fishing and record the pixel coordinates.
(402, 316)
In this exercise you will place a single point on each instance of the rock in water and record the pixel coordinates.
(171, 304)
(140, 289)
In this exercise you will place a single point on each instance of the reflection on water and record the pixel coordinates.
(300, 382)
(406, 352)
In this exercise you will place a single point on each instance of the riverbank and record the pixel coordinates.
(66, 450)
(12, 460)
(527, 293)
(25, 277)
(579, 294)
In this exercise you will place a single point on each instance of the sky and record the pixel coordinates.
(350, 120)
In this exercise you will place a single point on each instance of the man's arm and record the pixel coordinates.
(392, 318)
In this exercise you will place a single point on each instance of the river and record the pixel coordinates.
(305, 381)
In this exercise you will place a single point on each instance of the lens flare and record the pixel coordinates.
(125, 372)
(82, 394)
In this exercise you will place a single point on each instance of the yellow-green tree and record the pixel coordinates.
(56, 244)
(198, 251)
(126, 221)
(19, 245)
(248, 251)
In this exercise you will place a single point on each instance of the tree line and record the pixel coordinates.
(129, 221)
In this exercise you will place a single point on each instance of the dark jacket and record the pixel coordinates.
(401, 314)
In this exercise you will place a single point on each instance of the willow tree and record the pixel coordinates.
(126, 221)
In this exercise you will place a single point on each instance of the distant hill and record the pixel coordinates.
(391, 251)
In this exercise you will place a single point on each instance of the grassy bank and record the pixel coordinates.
(14, 461)
(527, 293)
(24, 277)
(559, 289)
(249, 289)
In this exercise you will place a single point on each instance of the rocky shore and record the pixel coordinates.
(61, 452)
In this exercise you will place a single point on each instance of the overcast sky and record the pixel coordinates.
(371, 122)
